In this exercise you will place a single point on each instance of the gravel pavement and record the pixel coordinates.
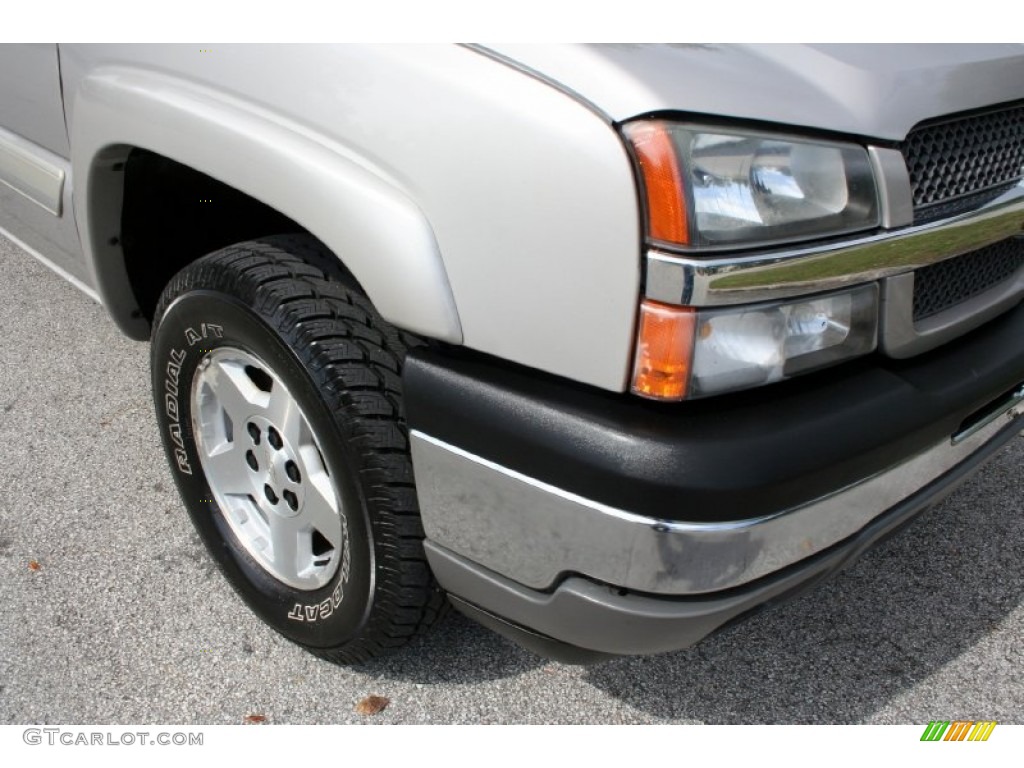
(127, 621)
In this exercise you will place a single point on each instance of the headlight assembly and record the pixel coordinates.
(720, 188)
(684, 352)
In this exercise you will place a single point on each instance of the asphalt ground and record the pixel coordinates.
(126, 620)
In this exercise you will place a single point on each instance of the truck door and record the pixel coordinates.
(35, 172)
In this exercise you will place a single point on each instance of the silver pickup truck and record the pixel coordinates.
(606, 346)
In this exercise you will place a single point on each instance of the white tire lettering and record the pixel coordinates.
(205, 331)
(182, 460)
(173, 374)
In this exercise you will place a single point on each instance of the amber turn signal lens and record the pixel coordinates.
(664, 351)
(663, 184)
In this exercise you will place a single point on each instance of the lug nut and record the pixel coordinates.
(292, 499)
(274, 439)
(254, 433)
(271, 496)
(292, 471)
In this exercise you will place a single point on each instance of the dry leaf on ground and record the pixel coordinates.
(372, 705)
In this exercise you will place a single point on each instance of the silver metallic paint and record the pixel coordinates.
(874, 91)
(35, 198)
(30, 97)
(409, 162)
(49, 264)
(380, 231)
(406, 160)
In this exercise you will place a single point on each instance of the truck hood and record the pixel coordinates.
(876, 91)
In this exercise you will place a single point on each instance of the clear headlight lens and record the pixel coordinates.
(743, 188)
(683, 352)
(740, 348)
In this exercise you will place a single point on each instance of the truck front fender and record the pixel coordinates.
(360, 213)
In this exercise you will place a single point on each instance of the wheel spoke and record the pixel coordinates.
(285, 538)
(235, 391)
(227, 471)
(283, 412)
(320, 508)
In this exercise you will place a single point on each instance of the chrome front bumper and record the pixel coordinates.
(534, 533)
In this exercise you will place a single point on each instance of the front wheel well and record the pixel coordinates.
(173, 214)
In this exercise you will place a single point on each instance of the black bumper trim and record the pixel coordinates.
(727, 458)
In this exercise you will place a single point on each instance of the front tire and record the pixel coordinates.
(278, 395)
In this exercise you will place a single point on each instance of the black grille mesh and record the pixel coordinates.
(948, 283)
(956, 165)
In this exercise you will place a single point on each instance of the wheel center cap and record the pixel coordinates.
(278, 476)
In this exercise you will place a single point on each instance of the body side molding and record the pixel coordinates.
(32, 171)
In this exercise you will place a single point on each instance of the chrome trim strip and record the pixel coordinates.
(534, 532)
(716, 281)
(25, 168)
(1013, 407)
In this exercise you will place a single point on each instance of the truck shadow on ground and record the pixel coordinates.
(457, 650)
(838, 654)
